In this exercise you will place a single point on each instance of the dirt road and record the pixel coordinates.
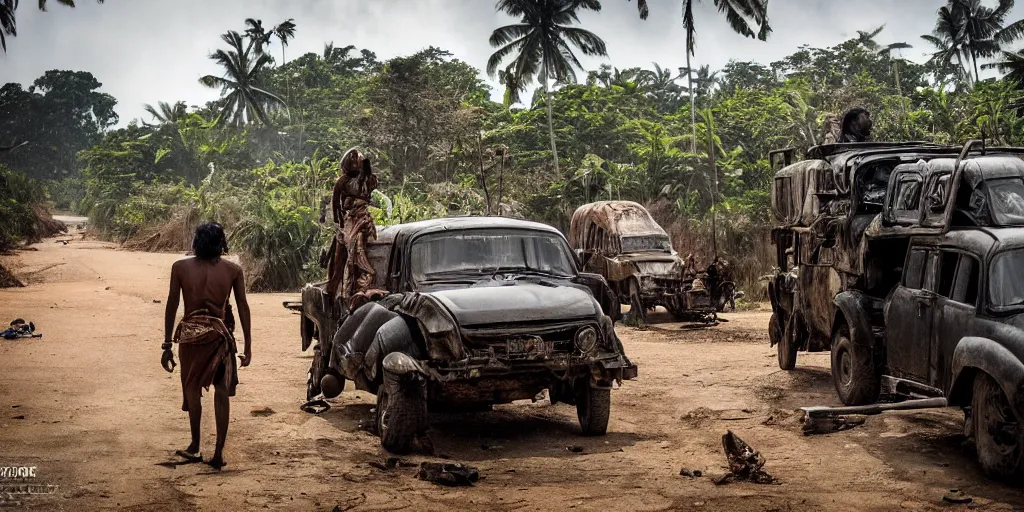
(90, 407)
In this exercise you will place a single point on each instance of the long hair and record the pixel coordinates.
(210, 242)
(850, 118)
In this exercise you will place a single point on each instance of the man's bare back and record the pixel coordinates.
(206, 345)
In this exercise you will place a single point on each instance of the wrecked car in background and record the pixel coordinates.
(905, 262)
(620, 241)
(481, 311)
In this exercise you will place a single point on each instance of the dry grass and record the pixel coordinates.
(174, 235)
(745, 245)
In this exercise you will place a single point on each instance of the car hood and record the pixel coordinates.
(516, 302)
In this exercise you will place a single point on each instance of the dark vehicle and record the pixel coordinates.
(620, 241)
(481, 311)
(905, 262)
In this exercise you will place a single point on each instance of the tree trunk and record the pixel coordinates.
(551, 125)
(483, 173)
(899, 93)
(977, 77)
(693, 102)
(714, 189)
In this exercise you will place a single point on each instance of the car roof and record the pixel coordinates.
(981, 240)
(618, 217)
(388, 234)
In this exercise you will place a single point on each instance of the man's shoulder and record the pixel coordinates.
(234, 267)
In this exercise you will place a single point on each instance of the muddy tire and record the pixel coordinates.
(785, 346)
(998, 431)
(593, 407)
(401, 414)
(636, 303)
(853, 372)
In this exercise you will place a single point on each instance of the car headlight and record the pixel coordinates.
(586, 339)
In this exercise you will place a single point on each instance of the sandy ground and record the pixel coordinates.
(90, 407)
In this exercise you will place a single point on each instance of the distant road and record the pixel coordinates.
(71, 219)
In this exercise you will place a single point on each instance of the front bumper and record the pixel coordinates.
(606, 366)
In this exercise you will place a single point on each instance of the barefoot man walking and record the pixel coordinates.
(205, 338)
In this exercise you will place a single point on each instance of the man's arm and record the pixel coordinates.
(173, 295)
(243, 316)
(336, 201)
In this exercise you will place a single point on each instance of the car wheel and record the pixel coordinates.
(593, 407)
(636, 303)
(785, 346)
(856, 380)
(401, 414)
(998, 432)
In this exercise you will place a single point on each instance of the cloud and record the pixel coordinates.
(144, 51)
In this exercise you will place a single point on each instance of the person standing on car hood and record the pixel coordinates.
(206, 343)
(350, 268)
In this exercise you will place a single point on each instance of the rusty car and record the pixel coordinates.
(903, 260)
(621, 241)
(479, 311)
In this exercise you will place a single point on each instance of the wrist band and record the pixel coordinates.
(166, 345)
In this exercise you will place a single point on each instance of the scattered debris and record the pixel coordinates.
(745, 463)
(20, 329)
(261, 411)
(316, 406)
(18, 417)
(574, 448)
(391, 463)
(156, 301)
(451, 475)
(691, 473)
(958, 497)
(827, 425)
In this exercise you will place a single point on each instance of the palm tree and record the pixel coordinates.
(541, 44)
(1012, 65)
(166, 113)
(8, 24)
(243, 99)
(867, 40)
(744, 16)
(972, 31)
(947, 37)
(260, 37)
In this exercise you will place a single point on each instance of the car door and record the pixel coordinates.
(955, 311)
(909, 316)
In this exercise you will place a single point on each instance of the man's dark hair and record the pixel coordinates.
(209, 242)
(850, 118)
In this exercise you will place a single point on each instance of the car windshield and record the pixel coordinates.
(641, 243)
(1007, 201)
(448, 255)
(1006, 289)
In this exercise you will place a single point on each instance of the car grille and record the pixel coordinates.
(512, 344)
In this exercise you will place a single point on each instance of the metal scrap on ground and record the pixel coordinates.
(451, 475)
(745, 463)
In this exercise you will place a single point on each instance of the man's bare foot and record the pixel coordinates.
(190, 454)
(217, 462)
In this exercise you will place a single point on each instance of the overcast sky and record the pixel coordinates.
(144, 51)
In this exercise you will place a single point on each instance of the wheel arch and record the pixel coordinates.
(852, 309)
(974, 354)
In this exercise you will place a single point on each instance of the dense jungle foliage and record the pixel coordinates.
(262, 159)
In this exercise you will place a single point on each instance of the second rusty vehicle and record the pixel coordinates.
(621, 241)
(904, 262)
(480, 311)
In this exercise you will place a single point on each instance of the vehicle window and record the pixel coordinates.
(1007, 201)
(930, 272)
(1006, 289)
(908, 193)
(480, 252)
(783, 198)
(913, 276)
(966, 288)
(643, 243)
(947, 272)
